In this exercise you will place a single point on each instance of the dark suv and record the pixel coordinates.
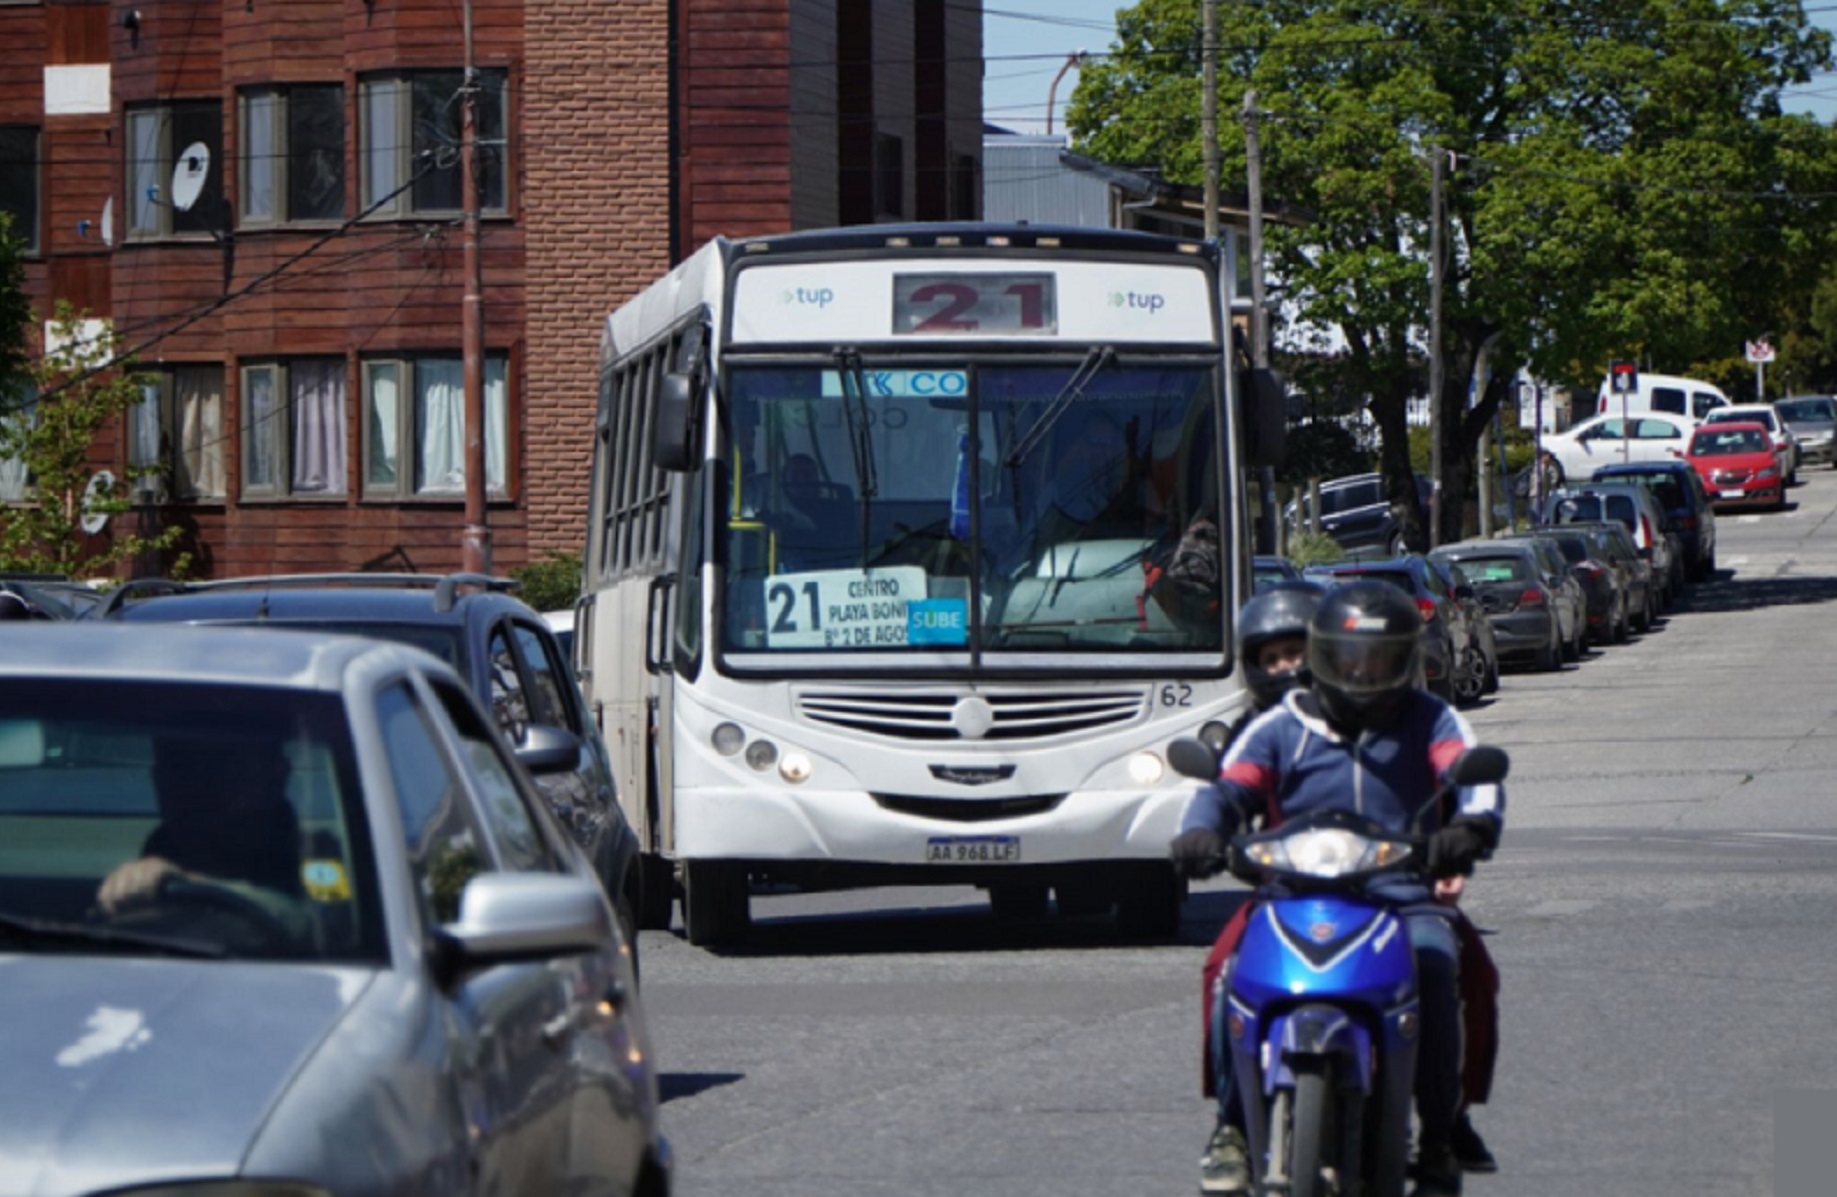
(1460, 653)
(1356, 514)
(503, 649)
(1689, 511)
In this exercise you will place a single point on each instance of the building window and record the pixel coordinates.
(175, 436)
(161, 140)
(19, 182)
(415, 426)
(293, 428)
(18, 412)
(889, 176)
(292, 154)
(410, 130)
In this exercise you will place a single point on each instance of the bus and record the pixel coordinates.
(909, 550)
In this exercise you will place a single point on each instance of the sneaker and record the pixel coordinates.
(1469, 1148)
(1225, 1167)
(1438, 1173)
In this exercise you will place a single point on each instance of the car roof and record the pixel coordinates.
(227, 656)
(416, 599)
(1723, 426)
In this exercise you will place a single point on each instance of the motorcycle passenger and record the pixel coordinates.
(1363, 738)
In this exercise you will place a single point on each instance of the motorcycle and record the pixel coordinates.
(1322, 1007)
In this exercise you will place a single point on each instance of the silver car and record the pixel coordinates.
(1813, 421)
(284, 910)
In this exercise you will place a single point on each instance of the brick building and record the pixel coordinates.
(263, 197)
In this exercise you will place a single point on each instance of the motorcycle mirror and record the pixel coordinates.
(1481, 765)
(1192, 758)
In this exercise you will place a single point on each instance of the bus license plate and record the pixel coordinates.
(973, 849)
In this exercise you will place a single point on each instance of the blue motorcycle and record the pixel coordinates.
(1322, 1008)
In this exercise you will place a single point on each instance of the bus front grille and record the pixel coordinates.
(969, 810)
(947, 716)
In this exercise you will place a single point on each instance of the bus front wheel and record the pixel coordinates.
(1148, 903)
(717, 902)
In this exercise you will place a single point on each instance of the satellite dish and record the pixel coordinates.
(108, 221)
(189, 174)
(101, 486)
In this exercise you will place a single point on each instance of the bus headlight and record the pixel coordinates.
(1216, 735)
(1145, 768)
(761, 755)
(795, 767)
(728, 738)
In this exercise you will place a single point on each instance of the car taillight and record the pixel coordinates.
(1534, 597)
(1427, 607)
(1587, 567)
(1687, 522)
(1645, 529)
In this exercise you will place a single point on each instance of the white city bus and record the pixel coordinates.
(898, 568)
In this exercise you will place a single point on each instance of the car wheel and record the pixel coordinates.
(1550, 656)
(656, 892)
(1395, 547)
(1470, 678)
(1622, 622)
(1492, 675)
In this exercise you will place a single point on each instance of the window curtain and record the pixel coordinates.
(385, 425)
(144, 464)
(440, 416)
(260, 470)
(318, 426)
(199, 392)
(16, 411)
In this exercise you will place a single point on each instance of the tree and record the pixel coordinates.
(15, 315)
(1624, 183)
(80, 388)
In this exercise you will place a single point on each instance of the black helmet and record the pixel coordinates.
(1280, 612)
(1363, 651)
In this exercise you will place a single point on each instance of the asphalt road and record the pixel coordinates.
(1662, 915)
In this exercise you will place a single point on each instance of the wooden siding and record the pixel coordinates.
(22, 68)
(736, 88)
(176, 54)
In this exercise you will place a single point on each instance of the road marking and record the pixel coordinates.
(1809, 836)
(1747, 519)
(1737, 560)
(1680, 904)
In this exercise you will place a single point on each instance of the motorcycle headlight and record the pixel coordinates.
(1327, 852)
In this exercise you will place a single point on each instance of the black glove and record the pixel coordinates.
(1199, 852)
(1456, 847)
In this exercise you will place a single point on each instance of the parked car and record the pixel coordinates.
(1357, 513)
(1638, 510)
(1266, 571)
(1739, 464)
(1459, 661)
(1688, 510)
(502, 648)
(1785, 445)
(50, 596)
(1535, 608)
(282, 915)
(1606, 440)
(1604, 584)
(1642, 586)
(1813, 421)
(1661, 393)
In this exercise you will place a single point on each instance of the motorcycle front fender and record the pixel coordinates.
(1308, 1034)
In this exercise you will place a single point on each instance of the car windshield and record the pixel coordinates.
(249, 794)
(1806, 411)
(1763, 418)
(1728, 443)
(443, 641)
(963, 509)
(1482, 571)
(1665, 487)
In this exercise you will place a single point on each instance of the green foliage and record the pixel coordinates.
(1314, 548)
(81, 388)
(1321, 449)
(552, 584)
(15, 315)
(1623, 183)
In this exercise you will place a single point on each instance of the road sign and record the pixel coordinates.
(1624, 378)
(1760, 351)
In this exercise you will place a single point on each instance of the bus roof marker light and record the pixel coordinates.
(728, 738)
(899, 242)
(950, 241)
(1048, 243)
(761, 755)
(1188, 247)
(999, 240)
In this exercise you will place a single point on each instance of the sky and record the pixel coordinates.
(1026, 42)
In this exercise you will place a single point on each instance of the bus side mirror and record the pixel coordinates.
(1263, 408)
(673, 446)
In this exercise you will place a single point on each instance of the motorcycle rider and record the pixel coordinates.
(1361, 737)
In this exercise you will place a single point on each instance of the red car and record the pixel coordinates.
(1737, 463)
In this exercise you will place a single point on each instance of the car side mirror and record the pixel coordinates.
(508, 917)
(673, 438)
(548, 749)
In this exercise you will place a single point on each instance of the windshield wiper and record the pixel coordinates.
(44, 931)
(860, 438)
(1073, 390)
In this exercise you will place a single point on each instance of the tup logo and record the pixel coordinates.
(1150, 303)
(809, 297)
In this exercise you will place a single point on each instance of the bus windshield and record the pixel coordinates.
(968, 508)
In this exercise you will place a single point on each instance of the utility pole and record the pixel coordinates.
(475, 541)
(1259, 315)
(1208, 110)
(1435, 346)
